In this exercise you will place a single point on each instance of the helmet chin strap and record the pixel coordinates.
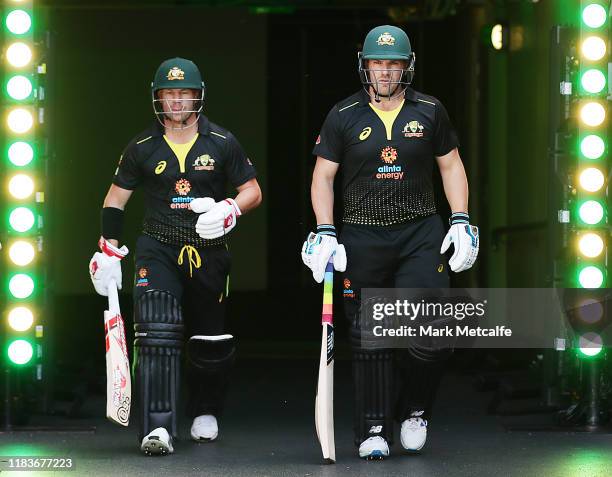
(389, 97)
(183, 124)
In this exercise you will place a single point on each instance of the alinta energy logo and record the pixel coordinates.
(182, 188)
(389, 155)
(142, 280)
(348, 292)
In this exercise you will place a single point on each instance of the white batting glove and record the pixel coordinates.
(219, 220)
(319, 247)
(105, 266)
(202, 204)
(465, 239)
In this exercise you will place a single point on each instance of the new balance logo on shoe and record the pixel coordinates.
(375, 430)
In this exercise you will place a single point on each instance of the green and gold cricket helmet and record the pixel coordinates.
(386, 42)
(178, 73)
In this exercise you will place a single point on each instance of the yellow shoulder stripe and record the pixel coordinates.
(428, 102)
(143, 140)
(349, 106)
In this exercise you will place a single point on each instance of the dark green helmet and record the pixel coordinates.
(386, 42)
(177, 73)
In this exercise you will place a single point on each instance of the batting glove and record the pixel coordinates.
(319, 247)
(464, 238)
(105, 266)
(219, 220)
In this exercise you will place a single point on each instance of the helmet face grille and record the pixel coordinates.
(177, 73)
(368, 79)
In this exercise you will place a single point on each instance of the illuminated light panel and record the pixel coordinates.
(591, 179)
(18, 22)
(21, 186)
(20, 352)
(497, 36)
(21, 219)
(594, 48)
(21, 285)
(591, 212)
(593, 81)
(592, 146)
(591, 245)
(590, 277)
(20, 120)
(21, 253)
(594, 15)
(590, 311)
(19, 54)
(592, 114)
(590, 344)
(19, 87)
(20, 318)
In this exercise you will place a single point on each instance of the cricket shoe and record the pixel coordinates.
(157, 442)
(374, 448)
(414, 433)
(204, 428)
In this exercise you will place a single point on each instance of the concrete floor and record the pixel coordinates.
(268, 430)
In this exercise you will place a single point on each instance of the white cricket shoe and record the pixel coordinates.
(374, 448)
(157, 442)
(414, 433)
(204, 428)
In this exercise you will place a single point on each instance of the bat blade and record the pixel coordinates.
(324, 402)
(118, 381)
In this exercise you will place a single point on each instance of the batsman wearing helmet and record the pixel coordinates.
(385, 139)
(183, 162)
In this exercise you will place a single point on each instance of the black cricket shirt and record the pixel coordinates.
(386, 180)
(214, 159)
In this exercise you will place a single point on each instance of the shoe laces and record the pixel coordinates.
(415, 423)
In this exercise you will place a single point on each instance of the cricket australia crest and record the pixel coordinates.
(385, 39)
(175, 74)
(204, 163)
(413, 129)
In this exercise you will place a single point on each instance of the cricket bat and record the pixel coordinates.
(324, 403)
(118, 382)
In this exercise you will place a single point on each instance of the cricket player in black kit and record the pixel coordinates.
(183, 162)
(386, 139)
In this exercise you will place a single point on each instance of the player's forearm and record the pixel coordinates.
(322, 196)
(249, 197)
(455, 184)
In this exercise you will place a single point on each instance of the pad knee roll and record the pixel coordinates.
(158, 325)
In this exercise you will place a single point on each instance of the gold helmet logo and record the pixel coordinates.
(385, 39)
(176, 74)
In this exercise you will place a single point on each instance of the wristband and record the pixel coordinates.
(112, 223)
(459, 218)
(326, 229)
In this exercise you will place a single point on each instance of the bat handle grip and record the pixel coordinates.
(113, 297)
